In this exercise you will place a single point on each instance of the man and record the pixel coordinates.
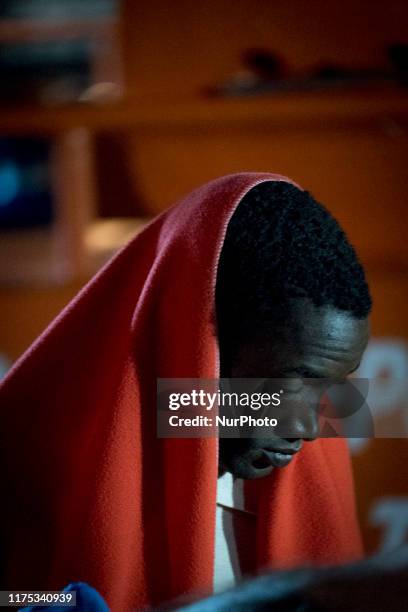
(292, 301)
(89, 491)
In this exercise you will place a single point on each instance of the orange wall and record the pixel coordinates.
(174, 49)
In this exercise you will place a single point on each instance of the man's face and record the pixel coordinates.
(313, 342)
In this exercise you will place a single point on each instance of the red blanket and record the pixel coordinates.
(88, 491)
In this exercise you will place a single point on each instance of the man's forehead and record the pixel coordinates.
(333, 325)
(324, 332)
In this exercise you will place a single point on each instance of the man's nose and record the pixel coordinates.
(305, 428)
(301, 424)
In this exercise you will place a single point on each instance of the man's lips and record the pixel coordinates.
(274, 459)
(261, 457)
(275, 456)
(285, 450)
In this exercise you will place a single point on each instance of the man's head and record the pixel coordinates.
(292, 301)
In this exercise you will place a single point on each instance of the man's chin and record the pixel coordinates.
(246, 470)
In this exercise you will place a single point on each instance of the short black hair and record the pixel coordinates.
(281, 244)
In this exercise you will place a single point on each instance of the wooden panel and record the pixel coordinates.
(314, 110)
